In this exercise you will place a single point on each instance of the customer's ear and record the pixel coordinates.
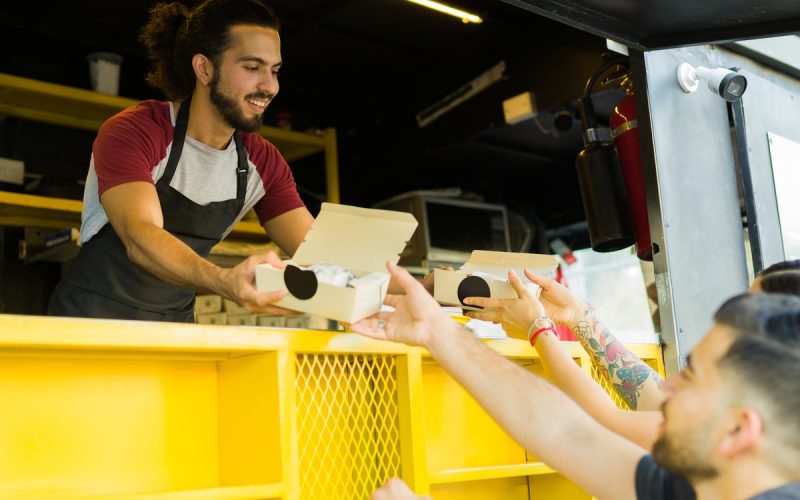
(744, 431)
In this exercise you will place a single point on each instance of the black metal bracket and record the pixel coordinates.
(742, 160)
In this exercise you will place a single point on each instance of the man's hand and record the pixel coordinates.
(395, 489)
(239, 285)
(427, 282)
(516, 315)
(417, 317)
(558, 301)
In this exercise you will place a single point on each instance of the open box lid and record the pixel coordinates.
(499, 263)
(358, 239)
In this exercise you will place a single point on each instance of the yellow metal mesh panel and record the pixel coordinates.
(602, 379)
(348, 424)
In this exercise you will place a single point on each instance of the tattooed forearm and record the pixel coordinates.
(625, 372)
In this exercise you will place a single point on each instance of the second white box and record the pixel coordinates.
(474, 278)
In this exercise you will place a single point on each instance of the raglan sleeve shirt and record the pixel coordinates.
(280, 190)
(128, 146)
(135, 142)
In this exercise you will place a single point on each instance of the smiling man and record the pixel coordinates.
(730, 428)
(168, 180)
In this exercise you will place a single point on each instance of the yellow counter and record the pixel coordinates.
(110, 409)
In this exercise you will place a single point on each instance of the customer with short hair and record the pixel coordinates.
(723, 430)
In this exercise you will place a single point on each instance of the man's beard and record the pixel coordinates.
(230, 109)
(683, 456)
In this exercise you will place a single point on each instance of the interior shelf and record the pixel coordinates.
(27, 210)
(491, 472)
(259, 491)
(86, 109)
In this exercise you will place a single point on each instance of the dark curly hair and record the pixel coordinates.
(174, 34)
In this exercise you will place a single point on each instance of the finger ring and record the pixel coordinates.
(381, 324)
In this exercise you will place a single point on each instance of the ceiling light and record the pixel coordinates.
(465, 17)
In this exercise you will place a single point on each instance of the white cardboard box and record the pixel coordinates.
(358, 239)
(451, 287)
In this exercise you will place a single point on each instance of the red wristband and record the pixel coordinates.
(539, 332)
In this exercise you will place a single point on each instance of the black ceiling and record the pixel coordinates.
(343, 55)
(367, 67)
(654, 24)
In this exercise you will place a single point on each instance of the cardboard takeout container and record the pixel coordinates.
(452, 287)
(358, 239)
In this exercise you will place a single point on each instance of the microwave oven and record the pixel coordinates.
(450, 228)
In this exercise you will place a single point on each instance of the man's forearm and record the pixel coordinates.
(632, 379)
(170, 259)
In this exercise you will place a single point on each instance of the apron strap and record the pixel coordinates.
(178, 137)
(241, 171)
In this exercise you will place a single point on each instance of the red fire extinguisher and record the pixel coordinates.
(624, 130)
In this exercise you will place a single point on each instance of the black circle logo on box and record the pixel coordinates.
(302, 284)
(473, 286)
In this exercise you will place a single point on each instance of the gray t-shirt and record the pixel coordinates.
(655, 483)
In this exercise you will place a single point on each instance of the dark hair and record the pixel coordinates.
(764, 374)
(763, 366)
(785, 265)
(771, 316)
(174, 34)
(781, 282)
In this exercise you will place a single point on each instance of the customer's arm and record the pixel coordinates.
(516, 315)
(641, 427)
(632, 379)
(536, 414)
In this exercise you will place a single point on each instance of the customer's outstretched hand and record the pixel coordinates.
(555, 301)
(560, 303)
(515, 314)
(415, 319)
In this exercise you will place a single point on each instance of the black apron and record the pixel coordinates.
(103, 283)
